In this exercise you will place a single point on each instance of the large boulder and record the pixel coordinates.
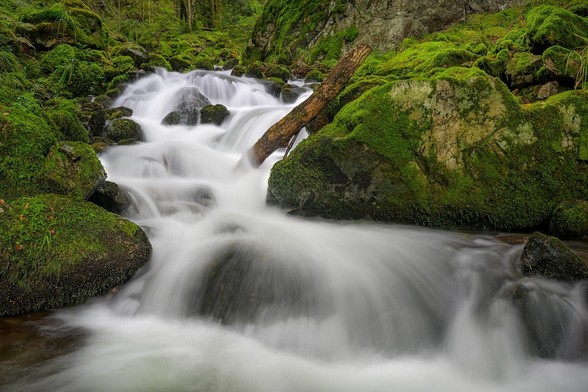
(58, 252)
(455, 150)
(548, 257)
(72, 168)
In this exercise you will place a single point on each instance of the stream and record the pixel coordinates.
(242, 297)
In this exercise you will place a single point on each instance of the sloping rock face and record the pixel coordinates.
(325, 27)
(453, 150)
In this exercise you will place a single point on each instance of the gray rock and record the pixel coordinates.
(548, 257)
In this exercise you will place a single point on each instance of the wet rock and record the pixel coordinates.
(241, 284)
(111, 197)
(172, 118)
(124, 129)
(215, 114)
(548, 257)
(188, 104)
(72, 168)
(291, 93)
(119, 112)
(570, 220)
(58, 252)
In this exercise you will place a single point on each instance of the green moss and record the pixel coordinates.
(294, 24)
(25, 140)
(550, 25)
(73, 169)
(57, 252)
(424, 57)
(328, 49)
(570, 219)
(522, 69)
(65, 115)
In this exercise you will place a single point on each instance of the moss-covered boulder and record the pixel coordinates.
(57, 252)
(134, 51)
(69, 22)
(570, 219)
(214, 114)
(455, 150)
(124, 130)
(550, 25)
(73, 169)
(562, 64)
(548, 257)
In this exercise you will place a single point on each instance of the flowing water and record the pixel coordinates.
(241, 297)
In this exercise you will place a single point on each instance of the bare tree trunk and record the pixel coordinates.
(280, 133)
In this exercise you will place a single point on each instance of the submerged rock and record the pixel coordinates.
(188, 104)
(241, 284)
(58, 252)
(547, 257)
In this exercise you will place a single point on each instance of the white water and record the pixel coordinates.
(298, 305)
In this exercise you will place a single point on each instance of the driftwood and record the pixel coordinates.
(282, 132)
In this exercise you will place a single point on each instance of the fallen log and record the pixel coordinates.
(279, 134)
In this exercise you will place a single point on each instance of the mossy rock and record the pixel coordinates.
(25, 140)
(548, 257)
(452, 151)
(118, 112)
(158, 61)
(549, 25)
(290, 93)
(58, 252)
(64, 24)
(570, 219)
(562, 64)
(182, 62)
(73, 169)
(65, 115)
(124, 129)
(214, 114)
(172, 118)
(522, 69)
(57, 57)
(111, 197)
(136, 52)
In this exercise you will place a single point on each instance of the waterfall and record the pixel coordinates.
(240, 297)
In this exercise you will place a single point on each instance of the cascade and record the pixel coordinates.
(240, 296)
